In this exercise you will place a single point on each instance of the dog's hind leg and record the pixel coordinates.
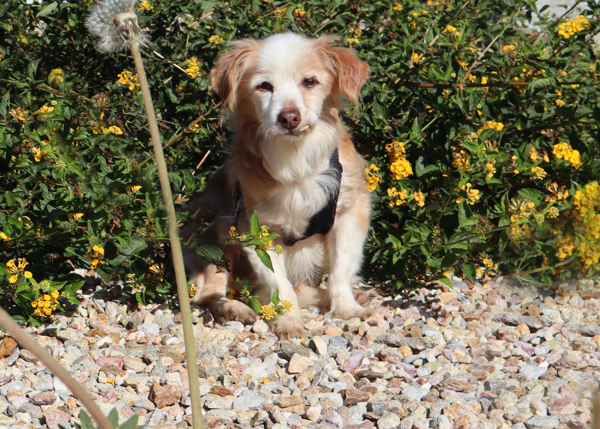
(345, 244)
(212, 282)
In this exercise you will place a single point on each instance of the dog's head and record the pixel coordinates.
(286, 80)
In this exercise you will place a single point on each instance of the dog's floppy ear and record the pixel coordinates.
(229, 70)
(350, 72)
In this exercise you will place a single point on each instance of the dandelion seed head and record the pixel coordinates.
(115, 23)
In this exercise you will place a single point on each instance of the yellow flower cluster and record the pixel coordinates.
(42, 111)
(419, 198)
(564, 151)
(397, 197)
(95, 254)
(215, 39)
(133, 188)
(461, 160)
(46, 304)
(559, 102)
(19, 114)
(38, 153)
(156, 272)
(520, 209)
(488, 263)
(399, 165)
(508, 48)
(75, 216)
(490, 168)
(520, 232)
(193, 70)
(552, 212)
(472, 194)
(129, 79)
(397, 7)
(450, 29)
(16, 268)
(417, 59)
(146, 6)
(194, 290)
(557, 193)
(565, 247)
(373, 180)
(268, 312)
(489, 125)
(286, 306)
(538, 173)
(55, 77)
(280, 11)
(113, 129)
(299, 12)
(570, 28)
(353, 41)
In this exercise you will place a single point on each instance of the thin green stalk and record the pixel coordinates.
(180, 277)
(26, 341)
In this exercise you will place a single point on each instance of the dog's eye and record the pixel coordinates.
(265, 86)
(310, 82)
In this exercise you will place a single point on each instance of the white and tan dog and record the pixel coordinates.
(293, 162)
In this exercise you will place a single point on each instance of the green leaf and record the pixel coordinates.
(113, 417)
(86, 420)
(275, 297)
(130, 423)
(469, 270)
(135, 244)
(446, 281)
(265, 258)
(48, 9)
(465, 215)
(255, 305)
(254, 224)
(210, 253)
(532, 194)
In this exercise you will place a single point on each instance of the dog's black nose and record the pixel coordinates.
(289, 119)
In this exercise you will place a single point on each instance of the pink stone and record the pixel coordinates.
(106, 361)
(352, 363)
(563, 405)
(299, 363)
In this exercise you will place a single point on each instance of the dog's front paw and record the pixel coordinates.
(350, 311)
(235, 310)
(289, 326)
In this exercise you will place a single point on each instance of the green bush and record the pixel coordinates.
(482, 137)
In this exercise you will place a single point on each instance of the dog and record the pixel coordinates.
(293, 161)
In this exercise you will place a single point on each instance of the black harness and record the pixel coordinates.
(322, 221)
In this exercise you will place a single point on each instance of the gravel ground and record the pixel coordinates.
(486, 356)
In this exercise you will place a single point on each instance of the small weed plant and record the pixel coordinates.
(480, 129)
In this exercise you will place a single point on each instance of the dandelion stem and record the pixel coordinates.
(26, 341)
(182, 292)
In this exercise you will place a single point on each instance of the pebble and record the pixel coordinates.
(482, 355)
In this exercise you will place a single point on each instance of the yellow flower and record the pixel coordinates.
(280, 11)
(508, 48)
(397, 7)
(19, 114)
(419, 198)
(75, 216)
(353, 41)
(27, 274)
(412, 25)
(568, 29)
(146, 6)
(286, 306)
(268, 312)
(54, 294)
(194, 290)
(372, 179)
(559, 102)
(5, 240)
(461, 160)
(113, 129)
(397, 198)
(299, 12)
(484, 80)
(133, 188)
(13, 279)
(215, 39)
(55, 77)
(417, 58)
(564, 151)
(538, 172)
(193, 69)
(39, 154)
(449, 29)
(400, 168)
